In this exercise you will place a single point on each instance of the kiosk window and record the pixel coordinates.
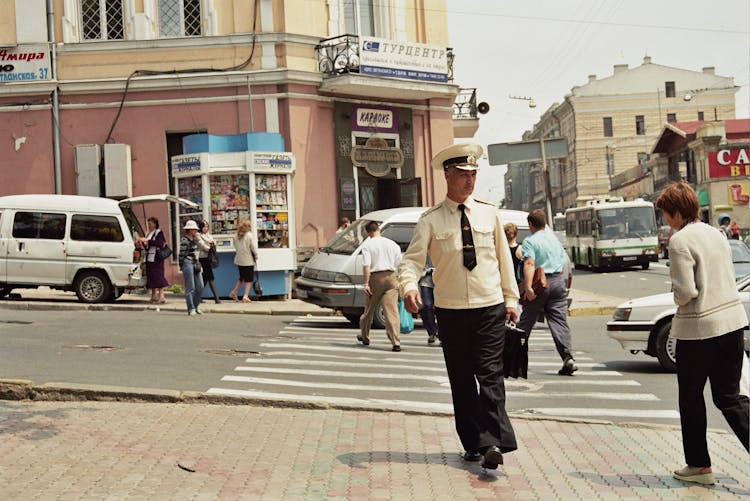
(96, 229)
(39, 225)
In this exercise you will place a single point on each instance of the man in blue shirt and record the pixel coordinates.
(543, 250)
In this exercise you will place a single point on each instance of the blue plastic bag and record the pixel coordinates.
(406, 321)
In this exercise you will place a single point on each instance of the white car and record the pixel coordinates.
(643, 324)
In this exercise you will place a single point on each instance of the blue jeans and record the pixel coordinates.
(428, 310)
(193, 285)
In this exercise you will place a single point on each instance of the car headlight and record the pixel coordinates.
(606, 253)
(651, 251)
(622, 314)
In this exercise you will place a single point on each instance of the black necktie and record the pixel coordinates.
(467, 240)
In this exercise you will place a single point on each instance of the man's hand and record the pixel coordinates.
(530, 296)
(511, 314)
(367, 290)
(412, 301)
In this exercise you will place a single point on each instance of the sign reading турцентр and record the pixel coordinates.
(415, 61)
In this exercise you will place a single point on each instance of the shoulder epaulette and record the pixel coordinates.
(431, 209)
(483, 202)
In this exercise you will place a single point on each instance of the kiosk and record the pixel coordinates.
(245, 176)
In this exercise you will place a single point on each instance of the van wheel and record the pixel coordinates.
(645, 266)
(93, 287)
(666, 348)
(378, 319)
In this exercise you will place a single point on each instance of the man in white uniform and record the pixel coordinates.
(475, 294)
(380, 259)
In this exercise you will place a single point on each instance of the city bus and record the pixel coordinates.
(612, 233)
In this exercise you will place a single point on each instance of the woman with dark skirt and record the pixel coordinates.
(205, 244)
(155, 280)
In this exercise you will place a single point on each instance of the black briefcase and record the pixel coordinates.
(516, 352)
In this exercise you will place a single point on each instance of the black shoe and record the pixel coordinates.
(472, 456)
(364, 341)
(568, 367)
(431, 339)
(217, 301)
(396, 348)
(492, 458)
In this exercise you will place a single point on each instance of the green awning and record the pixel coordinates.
(702, 198)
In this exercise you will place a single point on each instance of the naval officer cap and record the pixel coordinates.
(461, 156)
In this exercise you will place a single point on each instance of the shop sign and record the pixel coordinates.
(183, 164)
(729, 163)
(739, 193)
(347, 193)
(25, 63)
(377, 157)
(414, 61)
(273, 162)
(369, 118)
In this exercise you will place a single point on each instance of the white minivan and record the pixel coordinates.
(333, 278)
(69, 242)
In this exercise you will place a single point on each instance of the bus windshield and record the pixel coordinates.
(626, 222)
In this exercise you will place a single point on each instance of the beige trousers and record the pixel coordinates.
(383, 285)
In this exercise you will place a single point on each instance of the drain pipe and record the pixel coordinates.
(55, 98)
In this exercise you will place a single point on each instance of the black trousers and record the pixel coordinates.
(473, 341)
(718, 359)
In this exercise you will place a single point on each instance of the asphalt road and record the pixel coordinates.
(318, 359)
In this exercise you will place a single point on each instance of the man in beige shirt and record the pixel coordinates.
(475, 294)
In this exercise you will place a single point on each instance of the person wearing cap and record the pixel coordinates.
(475, 294)
(190, 267)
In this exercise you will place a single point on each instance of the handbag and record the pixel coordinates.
(213, 256)
(257, 289)
(163, 253)
(406, 321)
(515, 352)
(538, 284)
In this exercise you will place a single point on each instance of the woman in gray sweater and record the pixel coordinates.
(708, 327)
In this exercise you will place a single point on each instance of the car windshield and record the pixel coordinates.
(347, 241)
(740, 253)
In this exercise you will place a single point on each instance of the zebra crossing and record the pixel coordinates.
(317, 360)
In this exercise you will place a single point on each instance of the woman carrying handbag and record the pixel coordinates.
(207, 245)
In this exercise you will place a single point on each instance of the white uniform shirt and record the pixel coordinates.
(381, 254)
(438, 233)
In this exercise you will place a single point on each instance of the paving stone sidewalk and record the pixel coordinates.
(115, 450)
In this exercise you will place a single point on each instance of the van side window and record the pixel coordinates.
(96, 228)
(45, 225)
(399, 233)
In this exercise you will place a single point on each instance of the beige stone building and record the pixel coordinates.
(612, 124)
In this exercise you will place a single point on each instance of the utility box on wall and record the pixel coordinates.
(87, 158)
(118, 178)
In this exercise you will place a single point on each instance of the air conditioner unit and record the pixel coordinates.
(87, 160)
(118, 177)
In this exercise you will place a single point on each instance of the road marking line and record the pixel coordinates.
(590, 365)
(577, 381)
(357, 349)
(333, 363)
(329, 385)
(369, 375)
(640, 397)
(579, 412)
(306, 355)
(585, 373)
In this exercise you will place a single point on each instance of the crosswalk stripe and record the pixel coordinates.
(334, 363)
(588, 412)
(306, 355)
(575, 381)
(329, 385)
(353, 349)
(369, 375)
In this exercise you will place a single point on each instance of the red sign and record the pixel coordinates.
(729, 163)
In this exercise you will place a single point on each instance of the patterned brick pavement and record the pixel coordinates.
(111, 450)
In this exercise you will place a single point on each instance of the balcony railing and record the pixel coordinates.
(465, 105)
(339, 55)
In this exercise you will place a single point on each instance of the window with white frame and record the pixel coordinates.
(102, 20)
(359, 17)
(180, 18)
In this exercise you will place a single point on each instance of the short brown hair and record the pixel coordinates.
(537, 219)
(679, 198)
(154, 220)
(511, 231)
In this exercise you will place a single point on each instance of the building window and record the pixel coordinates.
(669, 89)
(700, 115)
(640, 125)
(362, 24)
(607, 123)
(102, 20)
(179, 18)
(671, 117)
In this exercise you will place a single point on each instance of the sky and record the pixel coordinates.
(540, 49)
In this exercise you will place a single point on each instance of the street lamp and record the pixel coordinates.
(532, 103)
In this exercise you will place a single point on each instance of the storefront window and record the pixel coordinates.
(272, 210)
(192, 189)
(230, 202)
